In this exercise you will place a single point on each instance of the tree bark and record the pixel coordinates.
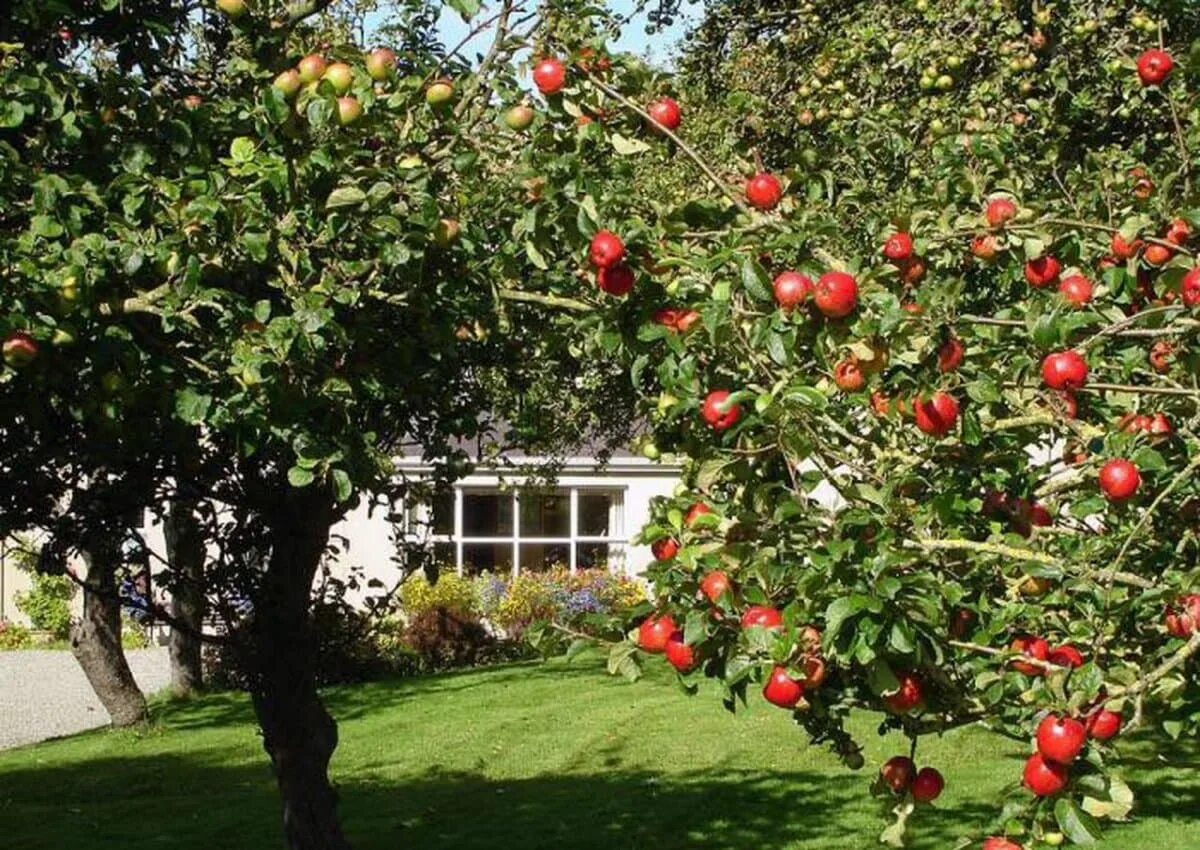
(298, 733)
(96, 639)
(185, 554)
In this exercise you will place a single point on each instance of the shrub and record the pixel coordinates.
(14, 636)
(558, 595)
(446, 638)
(47, 604)
(451, 592)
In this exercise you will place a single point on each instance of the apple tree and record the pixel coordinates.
(911, 295)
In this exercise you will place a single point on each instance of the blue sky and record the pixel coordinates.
(656, 48)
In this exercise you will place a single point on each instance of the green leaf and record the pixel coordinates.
(628, 147)
(535, 256)
(342, 486)
(242, 149)
(345, 196)
(300, 477)
(191, 406)
(12, 113)
(466, 8)
(755, 280)
(1078, 825)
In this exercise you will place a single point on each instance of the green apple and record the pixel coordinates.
(519, 117)
(235, 9)
(439, 93)
(380, 64)
(349, 110)
(311, 68)
(288, 83)
(340, 76)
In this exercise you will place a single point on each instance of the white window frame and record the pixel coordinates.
(617, 538)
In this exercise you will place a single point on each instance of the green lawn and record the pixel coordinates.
(553, 756)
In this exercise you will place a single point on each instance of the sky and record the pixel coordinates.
(656, 48)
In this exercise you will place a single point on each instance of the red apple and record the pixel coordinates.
(1065, 656)
(898, 773)
(1076, 290)
(715, 585)
(849, 376)
(655, 632)
(288, 83)
(898, 247)
(1061, 739)
(996, 843)
(666, 112)
(607, 250)
(1154, 66)
(1103, 725)
(762, 616)
(1158, 255)
(1000, 211)
(836, 294)
(782, 690)
(1043, 271)
(1179, 232)
(679, 655)
(1183, 619)
(311, 68)
(1191, 288)
(1119, 480)
(911, 695)
(814, 672)
(986, 248)
(951, 355)
(349, 110)
(792, 289)
(1032, 647)
(1066, 370)
(912, 270)
(1044, 778)
(927, 785)
(518, 118)
(695, 512)
(20, 349)
(937, 415)
(617, 280)
(764, 191)
(686, 320)
(716, 414)
(550, 76)
(1123, 250)
(340, 76)
(665, 549)
(380, 63)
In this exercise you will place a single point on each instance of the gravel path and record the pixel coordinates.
(44, 694)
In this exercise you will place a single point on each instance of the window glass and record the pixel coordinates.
(545, 515)
(487, 558)
(487, 515)
(443, 554)
(443, 513)
(590, 556)
(544, 556)
(595, 514)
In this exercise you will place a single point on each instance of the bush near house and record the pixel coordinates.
(14, 636)
(47, 604)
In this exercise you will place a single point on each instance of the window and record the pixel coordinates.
(491, 530)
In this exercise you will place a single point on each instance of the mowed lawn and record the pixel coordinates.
(551, 756)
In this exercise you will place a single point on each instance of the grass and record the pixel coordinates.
(530, 756)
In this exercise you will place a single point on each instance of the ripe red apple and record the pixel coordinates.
(1065, 656)
(1191, 288)
(1076, 290)
(679, 655)
(898, 247)
(695, 512)
(235, 9)
(912, 270)
(1157, 254)
(686, 320)
(666, 112)
(936, 415)
(1061, 739)
(1043, 271)
(654, 632)
(836, 294)
(550, 76)
(1160, 426)
(1154, 66)
(380, 63)
(715, 585)
(1044, 778)
(911, 695)
(716, 414)
(519, 117)
(898, 773)
(927, 785)
(782, 690)
(996, 843)
(1183, 619)
(617, 280)
(986, 248)
(20, 349)
(793, 288)
(1000, 211)
(1066, 370)
(762, 616)
(1179, 232)
(1123, 250)
(340, 76)
(349, 110)
(814, 672)
(1119, 480)
(764, 191)
(951, 355)
(288, 83)
(607, 250)
(849, 376)
(311, 68)
(665, 549)
(1103, 725)
(1160, 356)
(1032, 647)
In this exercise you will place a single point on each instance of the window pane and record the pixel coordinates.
(544, 556)
(545, 515)
(595, 514)
(443, 513)
(591, 556)
(443, 554)
(487, 558)
(487, 515)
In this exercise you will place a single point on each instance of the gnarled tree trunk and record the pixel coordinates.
(185, 554)
(298, 733)
(96, 639)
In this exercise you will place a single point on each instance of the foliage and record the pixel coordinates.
(559, 596)
(451, 592)
(47, 604)
(14, 636)
(445, 638)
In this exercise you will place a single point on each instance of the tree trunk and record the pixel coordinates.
(298, 733)
(185, 554)
(96, 640)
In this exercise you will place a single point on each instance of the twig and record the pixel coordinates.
(545, 300)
